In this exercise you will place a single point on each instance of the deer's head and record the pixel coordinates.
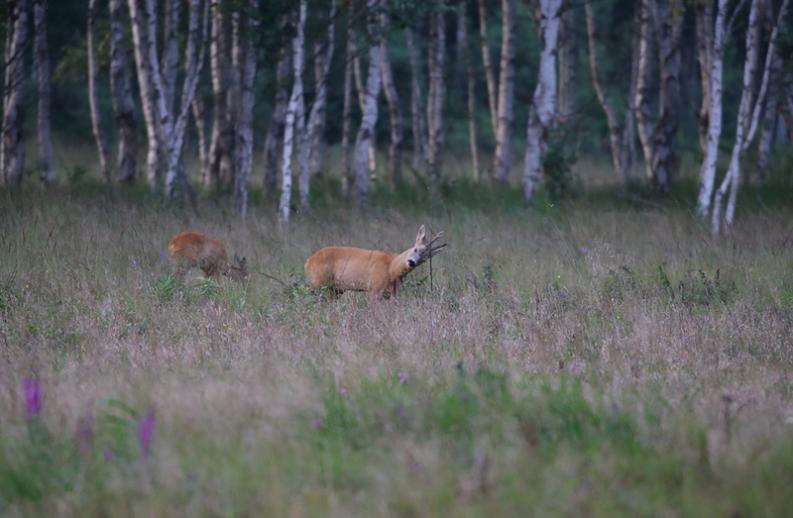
(423, 247)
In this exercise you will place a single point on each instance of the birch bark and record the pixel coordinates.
(245, 116)
(543, 108)
(315, 127)
(435, 98)
(748, 111)
(292, 114)
(121, 93)
(644, 92)
(42, 65)
(12, 149)
(365, 136)
(419, 128)
(502, 162)
(567, 61)
(611, 117)
(392, 99)
(490, 78)
(93, 103)
(470, 79)
(275, 128)
(708, 171)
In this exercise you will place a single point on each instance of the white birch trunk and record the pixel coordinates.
(42, 65)
(275, 128)
(93, 103)
(419, 129)
(245, 117)
(567, 61)
(221, 143)
(193, 62)
(668, 18)
(704, 24)
(284, 205)
(361, 90)
(628, 150)
(748, 112)
(392, 98)
(435, 99)
(199, 118)
(708, 171)
(611, 117)
(170, 53)
(487, 64)
(346, 128)
(543, 108)
(470, 80)
(148, 95)
(315, 127)
(121, 93)
(644, 116)
(770, 117)
(12, 149)
(364, 140)
(502, 162)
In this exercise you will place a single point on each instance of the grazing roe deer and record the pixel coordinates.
(197, 250)
(342, 268)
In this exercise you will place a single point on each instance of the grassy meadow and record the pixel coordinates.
(597, 357)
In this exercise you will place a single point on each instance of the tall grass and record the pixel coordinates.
(600, 358)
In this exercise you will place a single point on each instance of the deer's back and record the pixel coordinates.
(348, 268)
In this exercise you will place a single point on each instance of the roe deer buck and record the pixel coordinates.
(343, 268)
(197, 250)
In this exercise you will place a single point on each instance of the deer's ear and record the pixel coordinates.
(421, 237)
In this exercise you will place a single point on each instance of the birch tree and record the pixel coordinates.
(244, 146)
(721, 28)
(148, 93)
(348, 177)
(193, 61)
(567, 61)
(42, 66)
(221, 161)
(317, 117)
(470, 81)
(543, 108)
(93, 102)
(487, 65)
(435, 98)
(770, 115)
(12, 149)
(365, 137)
(315, 126)
(704, 28)
(668, 20)
(392, 98)
(275, 129)
(615, 138)
(418, 126)
(121, 93)
(292, 114)
(748, 111)
(644, 92)
(503, 157)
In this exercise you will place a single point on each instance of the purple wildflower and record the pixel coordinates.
(146, 431)
(583, 249)
(343, 391)
(133, 263)
(32, 389)
(316, 424)
(403, 378)
(576, 367)
(108, 454)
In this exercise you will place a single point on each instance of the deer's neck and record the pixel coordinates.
(398, 267)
